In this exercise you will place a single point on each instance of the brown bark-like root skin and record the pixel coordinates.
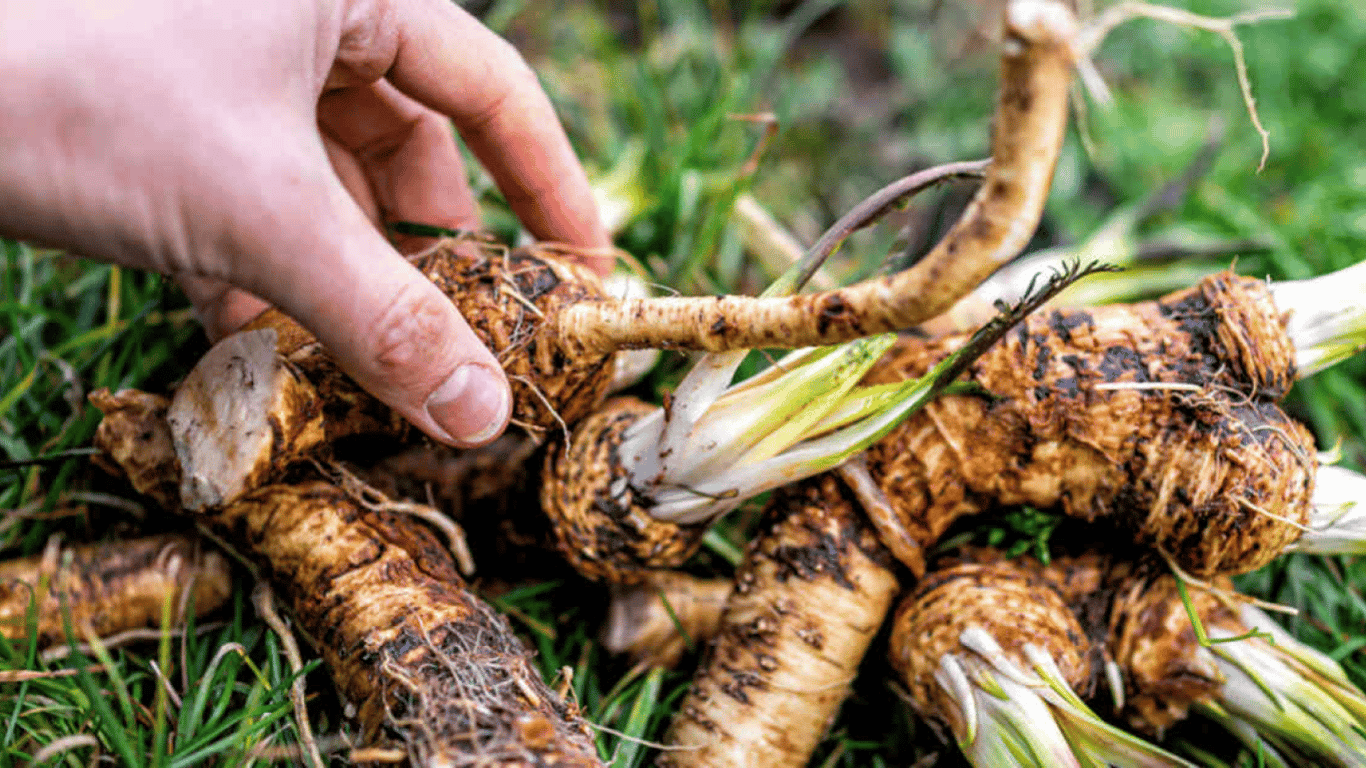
(135, 441)
(1013, 605)
(346, 408)
(1155, 412)
(810, 596)
(511, 298)
(555, 380)
(606, 536)
(1152, 640)
(423, 661)
(111, 586)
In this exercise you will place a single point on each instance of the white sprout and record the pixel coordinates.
(1327, 316)
(1337, 523)
(1285, 698)
(1029, 716)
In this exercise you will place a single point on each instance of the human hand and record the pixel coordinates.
(249, 150)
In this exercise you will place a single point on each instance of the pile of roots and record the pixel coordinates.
(1154, 428)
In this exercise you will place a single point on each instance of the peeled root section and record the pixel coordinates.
(811, 594)
(240, 416)
(110, 587)
(1158, 414)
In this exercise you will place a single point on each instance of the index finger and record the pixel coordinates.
(449, 61)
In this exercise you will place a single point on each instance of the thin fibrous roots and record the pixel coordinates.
(1158, 414)
(1125, 11)
(1031, 114)
(422, 663)
(813, 591)
(110, 587)
(490, 492)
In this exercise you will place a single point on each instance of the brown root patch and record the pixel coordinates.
(597, 522)
(511, 298)
(1156, 414)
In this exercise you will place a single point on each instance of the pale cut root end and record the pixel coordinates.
(231, 412)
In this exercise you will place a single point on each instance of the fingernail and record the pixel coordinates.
(472, 405)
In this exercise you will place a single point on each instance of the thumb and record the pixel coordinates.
(386, 324)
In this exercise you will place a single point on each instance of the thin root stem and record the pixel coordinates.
(371, 498)
(263, 597)
(1088, 39)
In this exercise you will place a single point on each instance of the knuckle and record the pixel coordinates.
(369, 40)
(515, 82)
(413, 338)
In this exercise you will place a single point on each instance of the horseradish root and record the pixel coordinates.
(110, 587)
(992, 651)
(1286, 701)
(421, 662)
(555, 332)
(635, 487)
(135, 441)
(654, 623)
(811, 594)
(1156, 413)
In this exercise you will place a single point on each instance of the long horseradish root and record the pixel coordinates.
(110, 587)
(809, 598)
(270, 394)
(636, 486)
(422, 663)
(1159, 415)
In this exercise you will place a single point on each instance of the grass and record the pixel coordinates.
(861, 95)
